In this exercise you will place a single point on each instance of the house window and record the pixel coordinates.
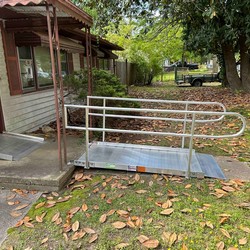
(26, 67)
(43, 66)
(35, 65)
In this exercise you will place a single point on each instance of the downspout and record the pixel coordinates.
(53, 68)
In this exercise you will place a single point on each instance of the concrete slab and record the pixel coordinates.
(9, 212)
(40, 169)
(234, 169)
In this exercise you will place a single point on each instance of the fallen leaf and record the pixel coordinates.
(220, 245)
(151, 244)
(44, 240)
(75, 226)
(19, 223)
(186, 210)
(188, 186)
(123, 213)
(110, 212)
(119, 224)
(142, 238)
(228, 188)
(21, 207)
(15, 214)
(28, 224)
(209, 224)
(84, 207)
(172, 239)
(41, 204)
(121, 245)
(78, 235)
(93, 238)
(137, 177)
(55, 217)
(167, 211)
(167, 204)
(103, 218)
(89, 230)
(243, 241)
(131, 224)
(66, 237)
(225, 232)
(141, 191)
(245, 229)
(184, 247)
(78, 176)
(73, 210)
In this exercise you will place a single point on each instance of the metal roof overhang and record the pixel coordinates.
(64, 6)
(42, 39)
(108, 54)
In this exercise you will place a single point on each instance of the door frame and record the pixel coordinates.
(2, 126)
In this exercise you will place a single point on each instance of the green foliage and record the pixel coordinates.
(104, 84)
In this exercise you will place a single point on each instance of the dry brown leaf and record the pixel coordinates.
(78, 176)
(245, 229)
(142, 238)
(137, 177)
(165, 237)
(228, 188)
(103, 196)
(93, 238)
(84, 207)
(223, 220)
(225, 232)
(75, 226)
(66, 237)
(11, 196)
(28, 224)
(149, 221)
(131, 224)
(110, 212)
(58, 221)
(119, 224)
(233, 248)
(121, 245)
(103, 218)
(19, 223)
(123, 213)
(184, 247)
(39, 219)
(141, 191)
(73, 210)
(44, 240)
(172, 239)
(167, 204)
(220, 191)
(55, 217)
(151, 183)
(186, 210)
(41, 204)
(151, 244)
(220, 245)
(188, 186)
(167, 211)
(209, 224)
(89, 230)
(243, 241)
(21, 207)
(138, 222)
(15, 214)
(78, 235)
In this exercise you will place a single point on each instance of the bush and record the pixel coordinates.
(104, 84)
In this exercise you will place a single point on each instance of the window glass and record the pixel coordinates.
(43, 66)
(26, 67)
(64, 63)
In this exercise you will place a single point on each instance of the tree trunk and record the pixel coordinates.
(244, 64)
(230, 67)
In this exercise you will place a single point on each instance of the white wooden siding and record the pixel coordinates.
(26, 112)
(76, 61)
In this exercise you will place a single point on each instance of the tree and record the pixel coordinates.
(221, 27)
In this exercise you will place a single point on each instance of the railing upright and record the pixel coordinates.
(104, 120)
(184, 127)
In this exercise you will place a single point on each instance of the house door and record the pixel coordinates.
(1, 119)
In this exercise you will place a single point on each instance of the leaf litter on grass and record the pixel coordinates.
(146, 220)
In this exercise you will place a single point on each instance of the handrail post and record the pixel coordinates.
(184, 126)
(190, 147)
(104, 120)
(87, 137)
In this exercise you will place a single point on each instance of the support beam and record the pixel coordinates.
(53, 67)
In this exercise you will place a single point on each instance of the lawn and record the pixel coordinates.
(117, 210)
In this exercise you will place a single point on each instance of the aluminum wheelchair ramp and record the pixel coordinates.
(155, 159)
(140, 158)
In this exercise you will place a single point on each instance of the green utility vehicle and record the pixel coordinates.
(196, 80)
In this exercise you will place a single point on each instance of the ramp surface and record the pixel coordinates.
(14, 147)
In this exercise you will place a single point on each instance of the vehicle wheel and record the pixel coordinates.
(197, 83)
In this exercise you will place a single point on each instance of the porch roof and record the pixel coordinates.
(21, 9)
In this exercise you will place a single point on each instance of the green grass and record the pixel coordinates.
(194, 196)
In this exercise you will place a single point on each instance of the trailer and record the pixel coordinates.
(195, 80)
(182, 161)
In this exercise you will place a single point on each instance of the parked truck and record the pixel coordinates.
(195, 80)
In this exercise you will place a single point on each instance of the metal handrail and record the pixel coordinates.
(184, 135)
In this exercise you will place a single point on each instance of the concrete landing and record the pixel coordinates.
(40, 169)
